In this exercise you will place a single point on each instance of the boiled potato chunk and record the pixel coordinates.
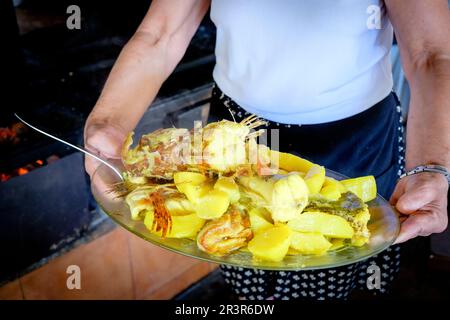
(290, 162)
(337, 244)
(292, 252)
(183, 226)
(212, 205)
(182, 179)
(271, 244)
(324, 223)
(264, 213)
(258, 220)
(309, 243)
(259, 189)
(289, 198)
(315, 178)
(330, 192)
(364, 187)
(335, 183)
(244, 249)
(195, 192)
(359, 241)
(228, 186)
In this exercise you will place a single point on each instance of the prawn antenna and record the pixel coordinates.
(232, 115)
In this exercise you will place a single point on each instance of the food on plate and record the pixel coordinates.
(259, 190)
(364, 187)
(219, 147)
(224, 143)
(230, 187)
(327, 224)
(350, 207)
(158, 154)
(217, 185)
(271, 244)
(184, 179)
(315, 178)
(332, 189)
(259, 219)
(226, 234)
(183, 225)
(290, 162)
(310, 242)
(289, 198)
(212, 205)
(139, 202)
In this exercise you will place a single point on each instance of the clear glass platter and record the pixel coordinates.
(384, 226)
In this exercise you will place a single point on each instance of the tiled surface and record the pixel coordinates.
(117, 265)
(121, 266)
(11, 291)
(181, 282)
(105, 272)
(154, 269)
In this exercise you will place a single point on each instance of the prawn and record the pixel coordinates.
(225, 234)
(222, 149)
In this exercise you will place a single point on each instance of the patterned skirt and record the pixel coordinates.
(369, 143)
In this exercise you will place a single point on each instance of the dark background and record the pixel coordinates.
(53, 76)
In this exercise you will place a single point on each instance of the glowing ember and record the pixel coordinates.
(12, 133)
(5, 176)
(6, 134)
(22, 171)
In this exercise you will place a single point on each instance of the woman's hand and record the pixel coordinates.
(103, 139)
(422, 198)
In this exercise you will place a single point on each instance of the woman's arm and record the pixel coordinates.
(141, 68)
(422, 30)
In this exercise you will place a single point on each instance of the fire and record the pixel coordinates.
(6, 134)
(21, 171)
(11, 134)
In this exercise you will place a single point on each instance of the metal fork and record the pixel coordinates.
(106, 163)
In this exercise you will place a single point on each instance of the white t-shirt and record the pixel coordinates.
(303, 61)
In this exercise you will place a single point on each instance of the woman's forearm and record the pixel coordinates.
(145, 63)
(133, 83)
(428, 127)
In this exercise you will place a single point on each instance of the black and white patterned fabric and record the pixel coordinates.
(344, 142)
(325, 284)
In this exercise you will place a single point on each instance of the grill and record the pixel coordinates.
(55, 77)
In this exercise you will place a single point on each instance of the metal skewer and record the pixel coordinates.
(117, 172)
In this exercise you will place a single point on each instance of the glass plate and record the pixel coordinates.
(384, 226)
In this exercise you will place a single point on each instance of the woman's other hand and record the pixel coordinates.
(422, 199)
